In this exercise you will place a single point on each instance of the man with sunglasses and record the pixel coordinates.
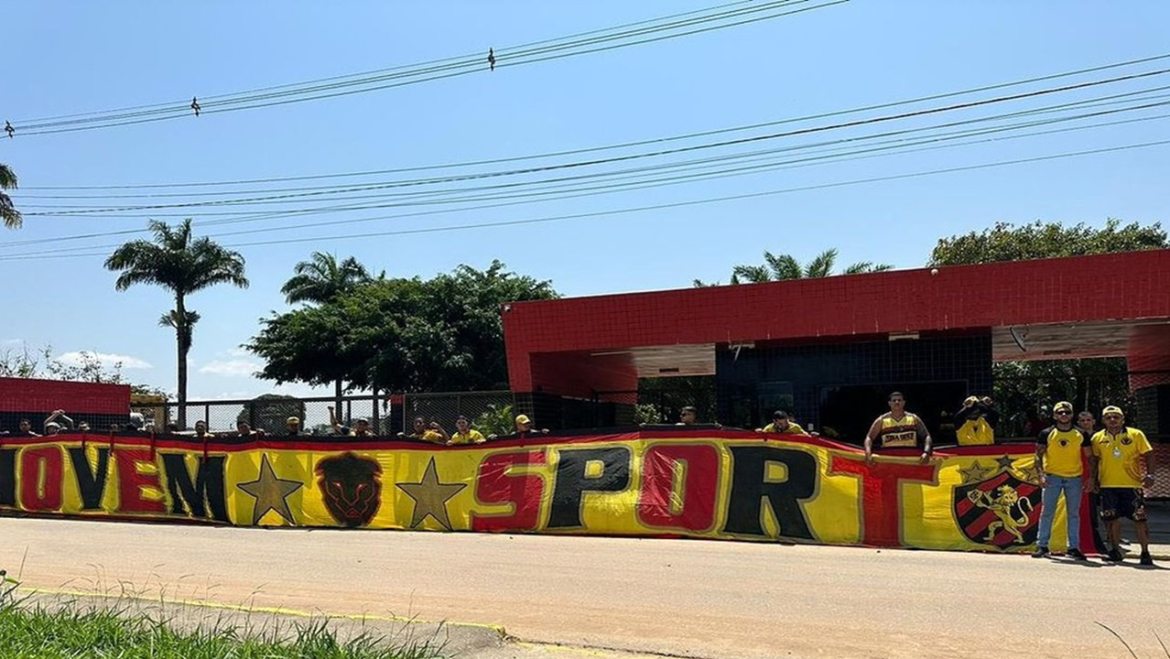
(1121, 472)
(898, 429)
(1060, 453)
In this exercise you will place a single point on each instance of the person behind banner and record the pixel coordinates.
(782, 425)
(1122, 464)
(432, 433)
(59, 420)
(201, 430)
(464, 434)
(292, 427)
(976, 422)
(25, 429)
(523, 429)
(898, 429)
(1061, 452)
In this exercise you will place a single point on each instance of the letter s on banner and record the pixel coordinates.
(495, 484)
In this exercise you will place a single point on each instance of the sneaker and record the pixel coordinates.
(1147, 559)
(1040, 552)
(1075, 553)
(1115, 555)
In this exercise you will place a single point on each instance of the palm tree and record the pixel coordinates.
(181, 264)
(784, 266)
(8, 212)
(321, 280)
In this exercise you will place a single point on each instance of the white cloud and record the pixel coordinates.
(239, 352)
(107, 359)
(232, 368)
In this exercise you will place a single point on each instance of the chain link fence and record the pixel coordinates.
(387, 415)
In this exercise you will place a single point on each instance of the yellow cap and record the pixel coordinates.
(1112, 409)
(1062, 405)
(292, 420)
(970, 400)
(523, 418)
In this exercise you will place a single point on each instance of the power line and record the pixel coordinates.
(623, 211)
(621, 158)
(716, 18)
(625, 145)
(883, 149)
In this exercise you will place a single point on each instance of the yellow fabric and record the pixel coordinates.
(1062, 453)
(472, 436)
(1119, 456)
(976, 432)
(792, 429)
(649, 486)
(898, 433)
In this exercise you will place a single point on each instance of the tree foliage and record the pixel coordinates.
(182, 264)
(269, 412)
(322, 278)
(1022, 388)
(8, 213)
(442, 334)
(1042, 240)
(782, 267)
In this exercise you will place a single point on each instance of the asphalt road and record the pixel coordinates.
(676, 597)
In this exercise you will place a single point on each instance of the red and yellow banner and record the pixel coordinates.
(702, 484)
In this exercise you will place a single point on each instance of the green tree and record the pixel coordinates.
(1020, 388)
(268, 412)
(1042, 240)
(782, 267)
(322, 279)
(182, 264)
(443, 334)
(8, 213)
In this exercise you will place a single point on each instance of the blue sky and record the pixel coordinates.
(83, 57)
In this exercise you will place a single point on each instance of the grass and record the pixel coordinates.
(70, 629)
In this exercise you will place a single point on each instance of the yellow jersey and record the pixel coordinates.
(1062, 451)
(1119, 457)
(792, 429)
(900, 433)
(472, 436)
(976, 432)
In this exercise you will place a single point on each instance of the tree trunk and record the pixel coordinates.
(184, 345)
(337, 400)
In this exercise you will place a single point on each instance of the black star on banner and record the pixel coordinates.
(430, 497)
(271, 493)
(975, 473)
(1005, 463)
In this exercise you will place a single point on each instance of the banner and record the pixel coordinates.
(673, 483)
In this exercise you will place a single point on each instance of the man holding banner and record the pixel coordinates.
(1061, 451)
(898, 429)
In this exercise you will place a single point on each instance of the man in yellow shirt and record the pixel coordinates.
(781, 425)
(432, 434)
(1122, 464)
(464, 433)
(898, 429)
(1060, 453)
(976, 422)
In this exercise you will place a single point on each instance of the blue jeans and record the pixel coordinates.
(1071, 487)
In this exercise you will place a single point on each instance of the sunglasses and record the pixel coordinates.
(1111, 416)
(1063, 412)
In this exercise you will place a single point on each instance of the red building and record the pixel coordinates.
(830, 349)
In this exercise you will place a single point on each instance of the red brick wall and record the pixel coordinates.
(1115, 286)
(27, 396)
